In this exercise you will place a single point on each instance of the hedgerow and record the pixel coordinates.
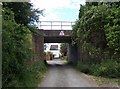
(18, 66)
(97, 33)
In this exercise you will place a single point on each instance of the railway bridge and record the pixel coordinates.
(55, 32)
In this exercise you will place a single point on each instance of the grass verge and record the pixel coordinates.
(30, 76)
(105, 73)
(106, 82)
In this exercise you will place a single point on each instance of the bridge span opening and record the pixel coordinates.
(54, 36)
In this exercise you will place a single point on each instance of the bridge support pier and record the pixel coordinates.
(38, 45)
(72, 53)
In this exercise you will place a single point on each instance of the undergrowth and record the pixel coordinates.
(30, 76)
(106, 68)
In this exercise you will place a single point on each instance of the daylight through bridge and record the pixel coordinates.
(55, 32)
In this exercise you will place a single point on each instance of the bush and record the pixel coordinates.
(109, 68)
(33, 74)
(83, 68)
(106, 68)
(99, 40)
(30, 76)
(17, 52)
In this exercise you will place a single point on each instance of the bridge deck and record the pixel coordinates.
(55, 36)
(57, 39)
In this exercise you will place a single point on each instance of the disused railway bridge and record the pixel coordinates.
(55, 33)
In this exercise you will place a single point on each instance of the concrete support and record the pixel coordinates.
(72, 53)
(38, 44)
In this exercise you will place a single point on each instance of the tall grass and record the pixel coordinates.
(30, 76)
(106, 68)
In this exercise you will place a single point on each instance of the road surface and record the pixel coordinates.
(61, 75)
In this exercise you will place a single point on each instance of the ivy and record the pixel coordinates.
(98, 26)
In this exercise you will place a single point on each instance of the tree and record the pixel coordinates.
(99, 27)
(23, 12)
(16, 41)
(63, 48)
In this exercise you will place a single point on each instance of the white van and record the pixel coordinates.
(56, 52)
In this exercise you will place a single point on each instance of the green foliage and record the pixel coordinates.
(83, 68)
(97, 31)
(33, 74)
(63, 48)
(112, 30)
(17, 54)
(16, 47)
(75, 32)
(24, 12)
(106, 68)
(92, 33)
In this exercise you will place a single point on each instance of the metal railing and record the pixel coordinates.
(56, 25)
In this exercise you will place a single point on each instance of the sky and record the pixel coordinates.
(58, 10)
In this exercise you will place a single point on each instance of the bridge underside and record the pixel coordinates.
(53, 37)
(58, 39)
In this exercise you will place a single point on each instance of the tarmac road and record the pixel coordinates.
(61, 75)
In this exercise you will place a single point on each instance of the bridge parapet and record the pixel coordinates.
(56, 25)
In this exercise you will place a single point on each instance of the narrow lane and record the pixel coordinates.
(61, 75)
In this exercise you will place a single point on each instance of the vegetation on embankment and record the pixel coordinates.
(64, 51)
(105, 73)
(97, 33)
(106, 82)
(29, 76)
(106, 68)
(18, 67)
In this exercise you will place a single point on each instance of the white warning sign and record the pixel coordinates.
(61, 33)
